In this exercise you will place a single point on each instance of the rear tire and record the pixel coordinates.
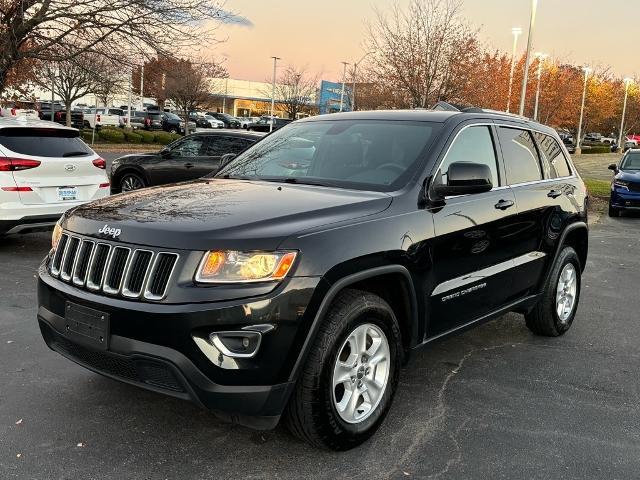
(356, 355)
(554, 313)
(131, 181)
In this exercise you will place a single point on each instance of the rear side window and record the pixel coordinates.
(554, 162)
(42, 142)
(473, 144)
(219, 145)
(520, 156)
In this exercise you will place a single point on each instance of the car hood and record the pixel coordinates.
(219, 213)
(629, 176)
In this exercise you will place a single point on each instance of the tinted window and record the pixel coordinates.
(219, 145)
(553, 159)
(189, 147)
(154, 116)
(473, 144)
(368, 154)
(520, 156)
(115, 111)
(43, 142)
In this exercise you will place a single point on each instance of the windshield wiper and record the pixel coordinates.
(302, 181)
(74, 154)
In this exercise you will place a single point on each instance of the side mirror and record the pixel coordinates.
(464, 178)
(226, 158)
(613, 167)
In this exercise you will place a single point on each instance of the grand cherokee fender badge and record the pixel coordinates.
(112, 232)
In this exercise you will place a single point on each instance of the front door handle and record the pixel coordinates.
(189, 165)
(554, 193)
(504, 204)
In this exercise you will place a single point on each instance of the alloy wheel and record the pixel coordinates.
(361, 373)
(131, 182)
(566, 292)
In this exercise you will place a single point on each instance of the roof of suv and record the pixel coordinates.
(16, 122)
(424, 115)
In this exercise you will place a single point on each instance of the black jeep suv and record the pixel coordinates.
(297, 280)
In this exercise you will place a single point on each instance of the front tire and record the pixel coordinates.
(613, 212)
(131, 181)
(554, 313)
(350, 376)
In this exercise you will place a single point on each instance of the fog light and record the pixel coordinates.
(240, 344)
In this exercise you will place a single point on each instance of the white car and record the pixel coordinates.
(45, 169)
(104, 117)
(20, 109)
(246, 121)
(213, 121)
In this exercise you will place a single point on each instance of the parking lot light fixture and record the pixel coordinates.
(344, 79)
(586, 71)
(527, 62)
(353, 88)
(516, 31)
(541, 58)
(273, 92)
(627, 82)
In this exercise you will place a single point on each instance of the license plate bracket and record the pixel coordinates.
(86, 326)
(67, 193)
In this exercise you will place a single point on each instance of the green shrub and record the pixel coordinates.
(163, 138)
(133, 137)
(595, 150)
(87, 135)
(112, 135)
(175, 136)
(147, 137)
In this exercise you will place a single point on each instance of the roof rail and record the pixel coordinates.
(452, 107)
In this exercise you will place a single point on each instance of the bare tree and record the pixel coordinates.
(109, 80)
(57, 30)
(295, 91)
(71, 79)
(188, 85)
(421, 52)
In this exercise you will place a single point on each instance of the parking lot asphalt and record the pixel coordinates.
(494, 402)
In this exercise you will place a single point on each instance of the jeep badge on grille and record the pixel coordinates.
(112, 232)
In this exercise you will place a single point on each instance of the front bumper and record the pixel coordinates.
(624, 199)
(151, 345)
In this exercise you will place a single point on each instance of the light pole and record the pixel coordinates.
(627, 82)
(129, 103)
(527, 62)
(586, 71)
(353, 88)
(53, 88)
(273, 93)
(344, 78)
(516, 31)
(142, 86)
(541, 57)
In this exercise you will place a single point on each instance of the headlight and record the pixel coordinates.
(55, 236)
(230, 266)
(621, 184)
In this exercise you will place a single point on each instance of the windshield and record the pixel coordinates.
(172, 116)
(631, 161)
(363, 154)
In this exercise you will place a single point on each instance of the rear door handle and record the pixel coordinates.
(554, 193)
(504, 204)
(189, 165)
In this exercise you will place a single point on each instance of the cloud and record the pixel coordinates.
(235, 19)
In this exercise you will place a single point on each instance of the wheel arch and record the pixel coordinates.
(399, 293)
(124, 169)
(575, 235)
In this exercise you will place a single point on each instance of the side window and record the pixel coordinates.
(473, 144)
(189, 147)
(219, 145)
(520, 156)
(554, 162)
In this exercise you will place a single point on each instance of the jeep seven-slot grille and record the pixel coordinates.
(113, 269)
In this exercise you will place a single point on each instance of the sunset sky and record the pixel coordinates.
(319, 34)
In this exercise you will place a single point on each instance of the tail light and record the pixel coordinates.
(17, 164)
(100, 163)
(57, 116)
(97, 117)
(13, 112)
(104, 185)
(16, 189)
